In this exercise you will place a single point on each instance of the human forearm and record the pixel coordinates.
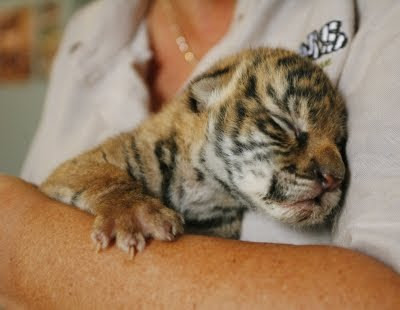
(47, 260)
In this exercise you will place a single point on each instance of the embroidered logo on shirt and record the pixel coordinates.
(329, 39)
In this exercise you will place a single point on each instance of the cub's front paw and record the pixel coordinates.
(132, 225)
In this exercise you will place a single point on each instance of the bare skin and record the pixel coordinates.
(48, 263)
(204, 23)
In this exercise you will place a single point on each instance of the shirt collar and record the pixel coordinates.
(112, 27)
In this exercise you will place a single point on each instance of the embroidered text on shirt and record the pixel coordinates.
(329, 39)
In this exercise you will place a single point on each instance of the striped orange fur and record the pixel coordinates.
(262, 130)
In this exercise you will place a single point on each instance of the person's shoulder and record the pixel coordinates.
(85, 16)
(374, 14)
(84, 20)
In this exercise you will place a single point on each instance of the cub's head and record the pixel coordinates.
(275, 134)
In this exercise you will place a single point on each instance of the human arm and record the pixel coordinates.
(47, 260)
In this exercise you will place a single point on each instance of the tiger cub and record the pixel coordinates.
(261, 130)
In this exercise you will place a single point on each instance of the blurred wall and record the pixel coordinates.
(20, 108)
(21, 102)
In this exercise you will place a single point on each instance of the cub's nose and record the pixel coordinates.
(329, 182)
(328, 167)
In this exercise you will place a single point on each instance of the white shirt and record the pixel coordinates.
(94, 93)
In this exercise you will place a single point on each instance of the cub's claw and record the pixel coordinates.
(131, 252)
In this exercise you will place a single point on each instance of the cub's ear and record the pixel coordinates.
(207, 88)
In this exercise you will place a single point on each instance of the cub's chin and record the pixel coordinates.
(307, 212)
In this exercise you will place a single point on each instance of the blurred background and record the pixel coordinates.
(30, 31)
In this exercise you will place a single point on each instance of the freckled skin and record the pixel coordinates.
(263, 130)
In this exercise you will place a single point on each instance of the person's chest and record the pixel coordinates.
(321, 30)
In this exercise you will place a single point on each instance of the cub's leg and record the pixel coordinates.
(116, 199)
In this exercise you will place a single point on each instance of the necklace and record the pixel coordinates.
(180, 39)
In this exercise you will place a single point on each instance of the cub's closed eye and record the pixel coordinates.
(302, 138)
(290, 168)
